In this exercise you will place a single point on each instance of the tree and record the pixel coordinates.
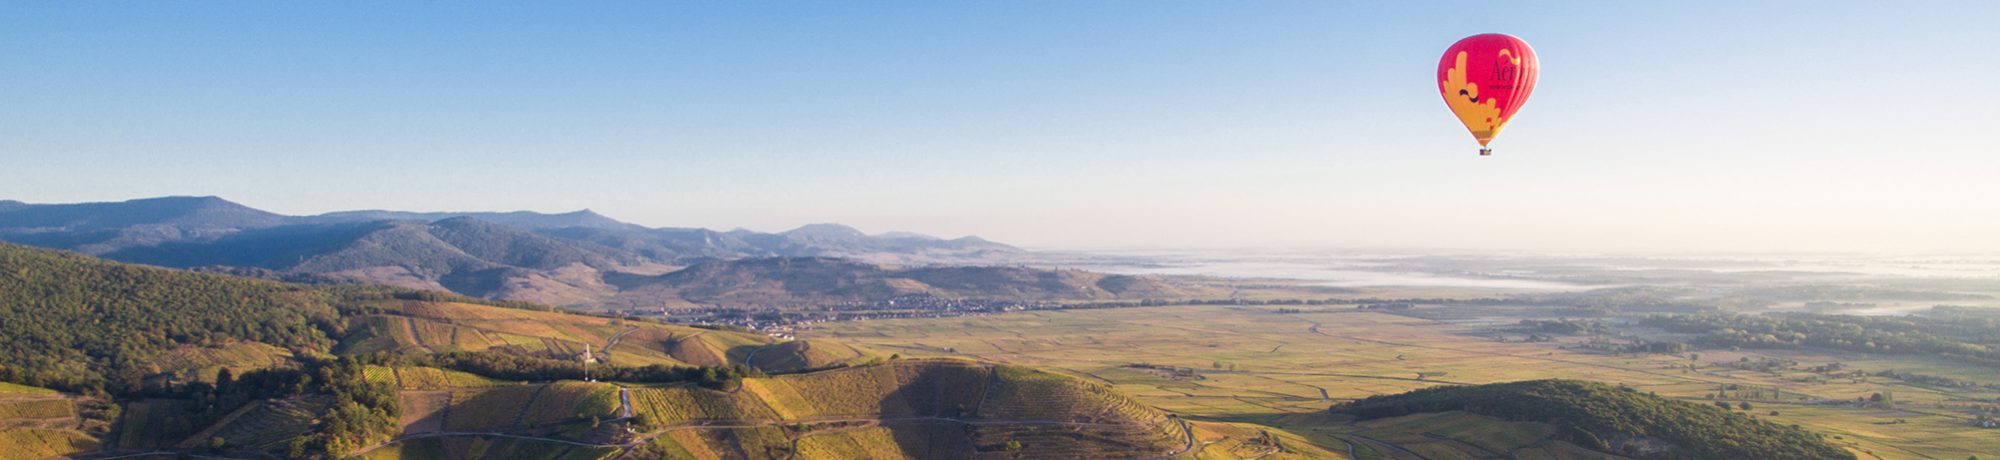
(1013, 445)
(1722, 404)
(1745, 405)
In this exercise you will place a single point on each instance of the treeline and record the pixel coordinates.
(1971, 339)
(1595, 415)
(528, 368)
(1564, 326)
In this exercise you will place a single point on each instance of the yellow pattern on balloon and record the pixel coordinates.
(1482, 117)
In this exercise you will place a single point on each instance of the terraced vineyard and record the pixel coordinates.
(917, 441)
(153, 423)
(508, 407)
(428, 327)
(934, 408)
(201, 363)
(44, 443)
(810, 354)
(722, 443)
(36, 423)
(430, 378)
(487, 448)
(264, 425)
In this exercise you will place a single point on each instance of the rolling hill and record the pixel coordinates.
(1611, 419)
(801, 281)
(211, 363)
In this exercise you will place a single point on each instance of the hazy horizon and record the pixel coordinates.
(1793, 127)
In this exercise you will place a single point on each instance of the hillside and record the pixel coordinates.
(77, 323)
(899, 409)
(1611, 419)
(789, 281)
(204, 363)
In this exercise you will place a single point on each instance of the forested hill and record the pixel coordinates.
(73, 321)
(1613, 419)
(802, 281)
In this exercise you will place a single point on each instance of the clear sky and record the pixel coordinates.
(1682, 126)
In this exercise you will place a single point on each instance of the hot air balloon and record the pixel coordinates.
(1485, 79)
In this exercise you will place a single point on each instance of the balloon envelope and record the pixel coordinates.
(1484, 79)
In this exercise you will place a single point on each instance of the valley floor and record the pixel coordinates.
(1235, 367)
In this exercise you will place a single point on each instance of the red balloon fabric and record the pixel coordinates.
(1485, 79)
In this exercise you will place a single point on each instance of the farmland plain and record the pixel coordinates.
(1244, 364)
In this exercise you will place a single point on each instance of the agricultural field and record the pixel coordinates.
(432, 327)
(810, 354)
(724, 443)
(200, 363)
(914, 441)
(504, 408)
(153, 423)
(430, 378)
(38, 423)
(487, 448)
(911, 408)
(1256, 365)
(17, 409)
(263, 425)
(19, 389)
(44, 443)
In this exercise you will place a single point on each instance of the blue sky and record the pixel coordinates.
(1688, 126)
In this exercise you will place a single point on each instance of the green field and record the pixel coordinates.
(1254, 365)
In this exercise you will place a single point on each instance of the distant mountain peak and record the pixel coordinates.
(825, 231)
(907, 235)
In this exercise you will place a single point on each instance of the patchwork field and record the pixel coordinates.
(1256, 365)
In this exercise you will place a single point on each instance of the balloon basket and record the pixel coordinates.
(1485, 152)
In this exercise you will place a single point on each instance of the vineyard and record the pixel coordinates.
(670, 405)
(202, 362)
(434, 327)
(44, 443)
(264, 425)
(153, 423)
(12, 409)
(509, 407)
(486, 448)
(727, 443)
(1026, 394)
(927, 441)
(810, 354)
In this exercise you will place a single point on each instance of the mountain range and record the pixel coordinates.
(564, 259)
